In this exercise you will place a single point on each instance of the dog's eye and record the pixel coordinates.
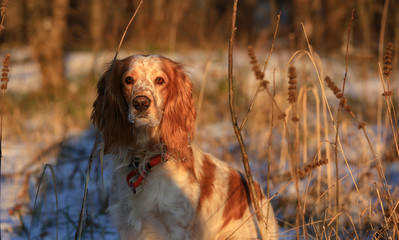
(159, 80)
(129, 80)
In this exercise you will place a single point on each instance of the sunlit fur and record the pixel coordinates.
(193, 195)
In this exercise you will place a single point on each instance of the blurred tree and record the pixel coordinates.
(46, 36)
(177, 24)
(336, 21)
(366, 15)
(180, 8)
(96, 29)
(300, 14)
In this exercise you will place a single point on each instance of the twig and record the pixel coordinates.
(244, 155)
(4, 82)
(387, 100)
(258, 87)
(338, 116)
(97, 140)
(382, 30)
(269, 149)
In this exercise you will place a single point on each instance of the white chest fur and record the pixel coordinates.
(164, 208)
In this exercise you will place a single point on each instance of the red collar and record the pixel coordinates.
(134, 178)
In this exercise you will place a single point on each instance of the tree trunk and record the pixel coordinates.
(96, 30)
(47, 41)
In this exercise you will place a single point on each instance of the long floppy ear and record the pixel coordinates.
(178, 121)
(109, 110)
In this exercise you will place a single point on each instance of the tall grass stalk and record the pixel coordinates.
(380, 56)
(259, 214)
(338, 118)
(234, 120)
(390, 116)
(388, 94)
(269, 149)
(202, 91)
(78, 233)
(382, 30)
(318, 138)
(312, 58)
(4, 83)
(284, 143)
(305, 123)
(3, 13)
(37, 194)
(292, 156)
(260, 86)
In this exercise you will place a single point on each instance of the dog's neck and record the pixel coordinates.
(144, 138)
(145, 145)
(146, 142)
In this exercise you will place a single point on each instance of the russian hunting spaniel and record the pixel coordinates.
(164, 186)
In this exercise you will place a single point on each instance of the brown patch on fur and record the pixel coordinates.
(178, 122)
(238, 198)
(110, 109)
(206, 180)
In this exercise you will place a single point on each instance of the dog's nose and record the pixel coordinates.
(141, 103)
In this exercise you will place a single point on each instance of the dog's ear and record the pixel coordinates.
(109, 109)
(178, 121)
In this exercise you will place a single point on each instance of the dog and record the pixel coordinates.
(164, 186)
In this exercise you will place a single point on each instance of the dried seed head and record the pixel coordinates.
(4, 72)
(388, 93)
(282, 116)
(309, 167)
(337, 92)
(295, 119)
(333, 87)
(263, 85)
(254, 62)
(292, 85)
(3, 9)
(388, 60)
(339, 95)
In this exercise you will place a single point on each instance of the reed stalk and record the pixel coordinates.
(78, 233)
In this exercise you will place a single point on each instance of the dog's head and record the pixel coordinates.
(145, 94)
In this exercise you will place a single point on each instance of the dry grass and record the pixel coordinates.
(381, 200)
(370, 220)
(301, 139)
(362, 211)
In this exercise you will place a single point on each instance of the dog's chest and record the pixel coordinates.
(165, 191)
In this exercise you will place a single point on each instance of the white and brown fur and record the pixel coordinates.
(193, 195)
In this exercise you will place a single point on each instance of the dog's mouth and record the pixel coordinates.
(141, 119)
(141, 115)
